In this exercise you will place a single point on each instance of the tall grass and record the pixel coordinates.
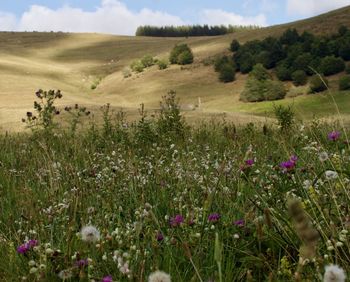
(205, 203)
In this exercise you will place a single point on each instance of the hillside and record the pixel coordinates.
(72, 62)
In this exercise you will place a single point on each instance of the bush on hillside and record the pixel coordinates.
(344, 83)
(162, 64)
(318, 83)
(259, 72)
(302, 62)
(344, 50)
(347, 69)
(181, 54)
(264, 58)
(234, 45)
(147, 61)
(283, 73)
(227, 73)
(137, 66)
(219, 62)
(331, 65)
(299, 77)
(247, 63)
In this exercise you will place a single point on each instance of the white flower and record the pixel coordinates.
(159, 276)
(90, 234)
(307, 184)
(334, 273)
(323, 156)
(330, 174)
(65, 274)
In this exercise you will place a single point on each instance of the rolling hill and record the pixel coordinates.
(72, 62)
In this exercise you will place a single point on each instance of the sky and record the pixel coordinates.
(124, 16)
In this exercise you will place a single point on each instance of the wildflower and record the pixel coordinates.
(176, 220)
(214, 217)
(290, 164)
(90, 234)
(159, 237)
(24, 248)
(334, 273)
(330, 174)
(107, 279)
(323, 156)
(239, 223)
(159, 276)
(334, 135)
(65, 274)
(249, 162)
(82, 263)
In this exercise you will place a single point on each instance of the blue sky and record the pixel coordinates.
(123, 16)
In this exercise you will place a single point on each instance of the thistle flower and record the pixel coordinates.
(249, 162)
(108, 278)
(334, 135)
(239, 223)
(334, 273)
(159, 276)
(24, 248)
(90, 234)
(214, 217)
(159, 237)
(290, 164)
(82, 263)
(176, 220)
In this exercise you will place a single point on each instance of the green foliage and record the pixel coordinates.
(285, 116)
(247, 63)
(262, 90)
(235, 45)
(289, 37)
(302, 62)
(318, 83)
(137, 66)
(344, 49)
(344, 83)
(227, 72)
(299, 77)
(45, 111)
(347, 69)
(126, 72)
(221, 61)
(96, 82)
(331, 65)
(162, 64)
(283, 73)
(343, 30)
(181, 54)
(259, 72)
(147, 61)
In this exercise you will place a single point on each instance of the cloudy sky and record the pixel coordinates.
(123, 16)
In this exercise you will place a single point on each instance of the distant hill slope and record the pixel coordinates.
(72, 62)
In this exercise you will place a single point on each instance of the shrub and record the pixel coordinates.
(260, 73)
(264, 58)
(262, 90)
(227, 73)
(234, 45)
(331, 65)
(247, 63)
(344, 83)
(347, 70)
(137, 66)
(275, 90)
(344, 50)
(318, 83)
(147, 61)
(175, 54)
(162, 64)
(283, 73)
(285, 116)
(302, 62)
(126, 73)
(185, 58)
(219, 62)
(299, 77)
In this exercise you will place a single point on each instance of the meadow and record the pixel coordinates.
(117, 201)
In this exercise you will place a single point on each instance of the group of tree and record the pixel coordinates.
(146, 62)
(181, 54)
(293, 56)
(189, 30)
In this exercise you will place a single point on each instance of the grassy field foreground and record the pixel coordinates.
(118, 201)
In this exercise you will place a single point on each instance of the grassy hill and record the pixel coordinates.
(72, 62)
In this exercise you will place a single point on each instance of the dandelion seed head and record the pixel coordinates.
(159, 276)
(90, 234)
(334, 273)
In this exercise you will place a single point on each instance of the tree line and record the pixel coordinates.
(190, 30)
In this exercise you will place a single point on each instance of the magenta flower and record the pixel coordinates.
(239, 222)
(290, 164)
(159, 237)
(214, 217)
(176, 220)
(108, 278)
(82, 263)
(24, 248)
(334, 135)
(249, 162)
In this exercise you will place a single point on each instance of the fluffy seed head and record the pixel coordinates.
(90, 234)
(334, 273)
(159, 276)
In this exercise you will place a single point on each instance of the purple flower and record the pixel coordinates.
(24, 248)
(214, 217)
(159, 237)
(176, 220)
(290, 164)
(334, 135)
(249, 162)
(82, 262)
(108, 278)
(239, 222)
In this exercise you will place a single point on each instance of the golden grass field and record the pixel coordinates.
(72, 62)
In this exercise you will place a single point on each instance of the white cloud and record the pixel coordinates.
(7, 21)
(218, 16)
(313, 7)
(112, 16)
